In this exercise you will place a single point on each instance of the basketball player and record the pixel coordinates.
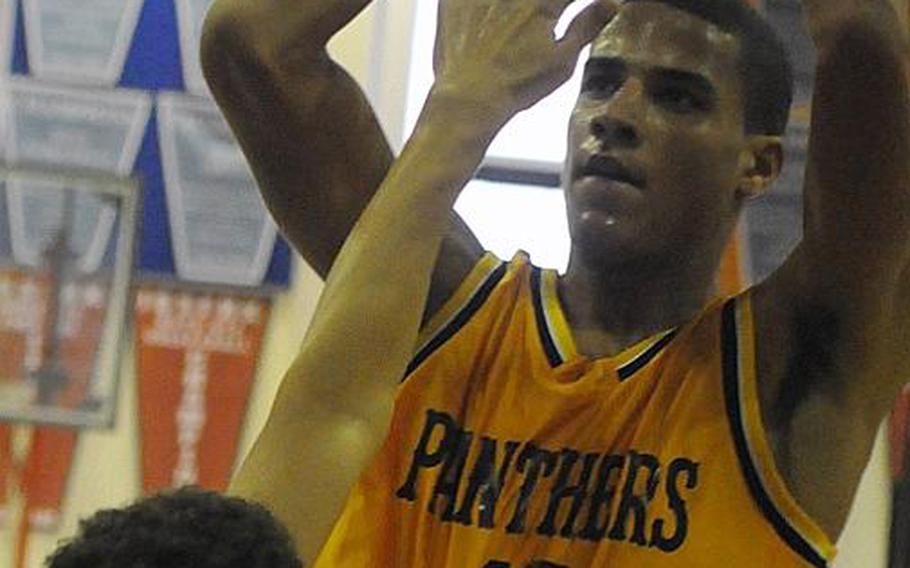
(616, 414)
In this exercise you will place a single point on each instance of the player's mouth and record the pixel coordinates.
(611, 169)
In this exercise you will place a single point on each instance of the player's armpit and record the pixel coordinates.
(822, 373)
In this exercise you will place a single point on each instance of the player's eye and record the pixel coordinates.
(680, 99)
(600, 85)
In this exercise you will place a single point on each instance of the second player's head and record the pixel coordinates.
(187, 528)
(678, 121)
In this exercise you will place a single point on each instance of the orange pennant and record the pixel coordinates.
(197, 356)
(23, 300)
(23, 315)
(79, 328)
(45, 476)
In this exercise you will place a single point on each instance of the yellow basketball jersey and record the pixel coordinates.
(509, 449)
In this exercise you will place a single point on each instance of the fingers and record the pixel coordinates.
(588, 24)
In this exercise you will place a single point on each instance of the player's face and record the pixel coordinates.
(656, 137)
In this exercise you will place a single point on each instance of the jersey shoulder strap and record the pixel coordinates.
(490, 277)
(753, 448)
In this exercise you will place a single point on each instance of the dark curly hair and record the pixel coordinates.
(185, 528)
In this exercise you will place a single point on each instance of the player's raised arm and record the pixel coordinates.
(858, 174)
(334, 405)
(832, 320)
(305, 126)
(856, 241)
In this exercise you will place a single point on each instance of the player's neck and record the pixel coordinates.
(612, 309)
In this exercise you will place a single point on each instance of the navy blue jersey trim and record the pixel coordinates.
(639, 362)
(460, 319)
(730, 350)
(549, 345)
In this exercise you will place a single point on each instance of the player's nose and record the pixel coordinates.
(612, 132)
(615, 125)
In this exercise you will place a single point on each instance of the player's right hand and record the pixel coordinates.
(503, 54)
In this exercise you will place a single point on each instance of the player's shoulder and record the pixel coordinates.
(491, 286)
(489, 276)
(725, 322)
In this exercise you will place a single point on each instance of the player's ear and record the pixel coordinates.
(760, 163)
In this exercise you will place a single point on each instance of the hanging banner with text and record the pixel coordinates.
(66, 251)
(79, 42)
(197, 354)
(75, 128)
(220, 228)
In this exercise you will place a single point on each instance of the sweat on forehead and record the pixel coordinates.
(653, 27)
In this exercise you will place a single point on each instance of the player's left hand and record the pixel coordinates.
(504, 53)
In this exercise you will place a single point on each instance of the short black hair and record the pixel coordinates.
(185, 528)
(765, 69)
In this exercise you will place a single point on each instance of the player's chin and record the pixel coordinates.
(606, 237)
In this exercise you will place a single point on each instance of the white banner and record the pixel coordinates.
(220, 229)
(43, 213)
(73, 128)
(84, 41)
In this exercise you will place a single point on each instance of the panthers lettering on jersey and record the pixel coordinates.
(509, 449)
